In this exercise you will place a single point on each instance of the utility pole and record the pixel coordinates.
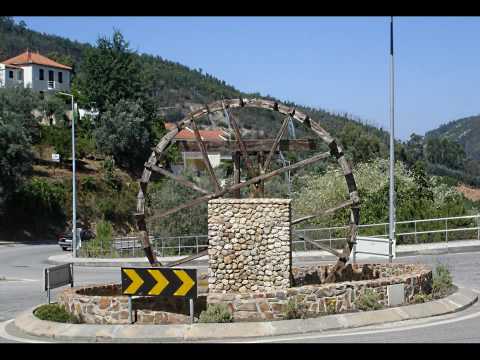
(391, 235)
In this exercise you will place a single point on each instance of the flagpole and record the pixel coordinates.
(391, 235)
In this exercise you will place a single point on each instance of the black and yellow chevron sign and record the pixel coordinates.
(159, 282)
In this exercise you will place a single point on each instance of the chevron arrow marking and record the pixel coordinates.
(187, 281)
(137, 281)
(161, 284)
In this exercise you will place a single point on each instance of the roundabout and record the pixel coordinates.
(299, 329)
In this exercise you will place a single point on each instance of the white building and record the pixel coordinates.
(35, 71)
(194, 159)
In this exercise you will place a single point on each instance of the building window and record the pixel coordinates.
(50, 75)
(20, 75)
(10, 74)
(60, 77)
(41, 75)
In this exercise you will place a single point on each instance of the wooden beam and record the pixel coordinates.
(241, 144)
(180, 179)
(325, 212)
(249, 182)
(252, 145)
(206, 160)
(273, 150)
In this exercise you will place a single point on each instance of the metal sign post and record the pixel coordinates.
(130, 316)
(191, 310)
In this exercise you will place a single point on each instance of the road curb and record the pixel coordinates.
(91, 262)
(27, 323)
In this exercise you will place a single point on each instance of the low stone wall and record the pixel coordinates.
(249, 244)
(104, 304)
(318, 299)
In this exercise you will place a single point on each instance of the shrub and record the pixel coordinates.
(102, 243)
(295, 310)
(369, 299)
(88, 183)
(216, 313)
(442, 281)
(421, 298)
(39, 196)
(55, 312)
(331, 305)
(104, 231)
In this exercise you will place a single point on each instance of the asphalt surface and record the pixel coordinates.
(22, 266)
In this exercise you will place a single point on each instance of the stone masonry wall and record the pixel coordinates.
(321, 299)
(249, 245)
(104, 304)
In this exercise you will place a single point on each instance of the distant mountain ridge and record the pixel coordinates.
(465, 131)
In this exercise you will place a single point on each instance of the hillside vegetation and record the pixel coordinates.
(465, 131)
(131, 92)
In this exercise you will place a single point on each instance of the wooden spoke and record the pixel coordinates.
(259, 190)
(249, 182)
(206, 160)
(322, 247)
(236, 172)
(180, 179)
(280, 134)
(325, 212)
(187, 259)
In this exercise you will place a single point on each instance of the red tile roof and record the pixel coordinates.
(12, 66)
(34, 58)
(188, 134)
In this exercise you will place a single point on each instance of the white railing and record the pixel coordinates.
(414, 232)
(51, 85)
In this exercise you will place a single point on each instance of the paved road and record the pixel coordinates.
(25, 264)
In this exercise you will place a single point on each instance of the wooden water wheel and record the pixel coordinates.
(255, 176)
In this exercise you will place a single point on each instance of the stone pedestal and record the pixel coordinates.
(249, 245)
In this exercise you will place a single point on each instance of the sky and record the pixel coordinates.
(339, 64)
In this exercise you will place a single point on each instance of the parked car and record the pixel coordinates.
(65, 239)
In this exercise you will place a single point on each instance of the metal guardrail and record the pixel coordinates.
(407, 232)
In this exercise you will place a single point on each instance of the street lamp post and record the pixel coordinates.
(74, 192)
(391, 232)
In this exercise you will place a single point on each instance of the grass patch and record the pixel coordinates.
(55, 312)
(216, 313)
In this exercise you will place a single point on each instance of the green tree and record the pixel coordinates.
(413, 149)
(17, 132)
(110, 72)
(123, 132)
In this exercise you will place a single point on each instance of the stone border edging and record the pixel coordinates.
(29, 324)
